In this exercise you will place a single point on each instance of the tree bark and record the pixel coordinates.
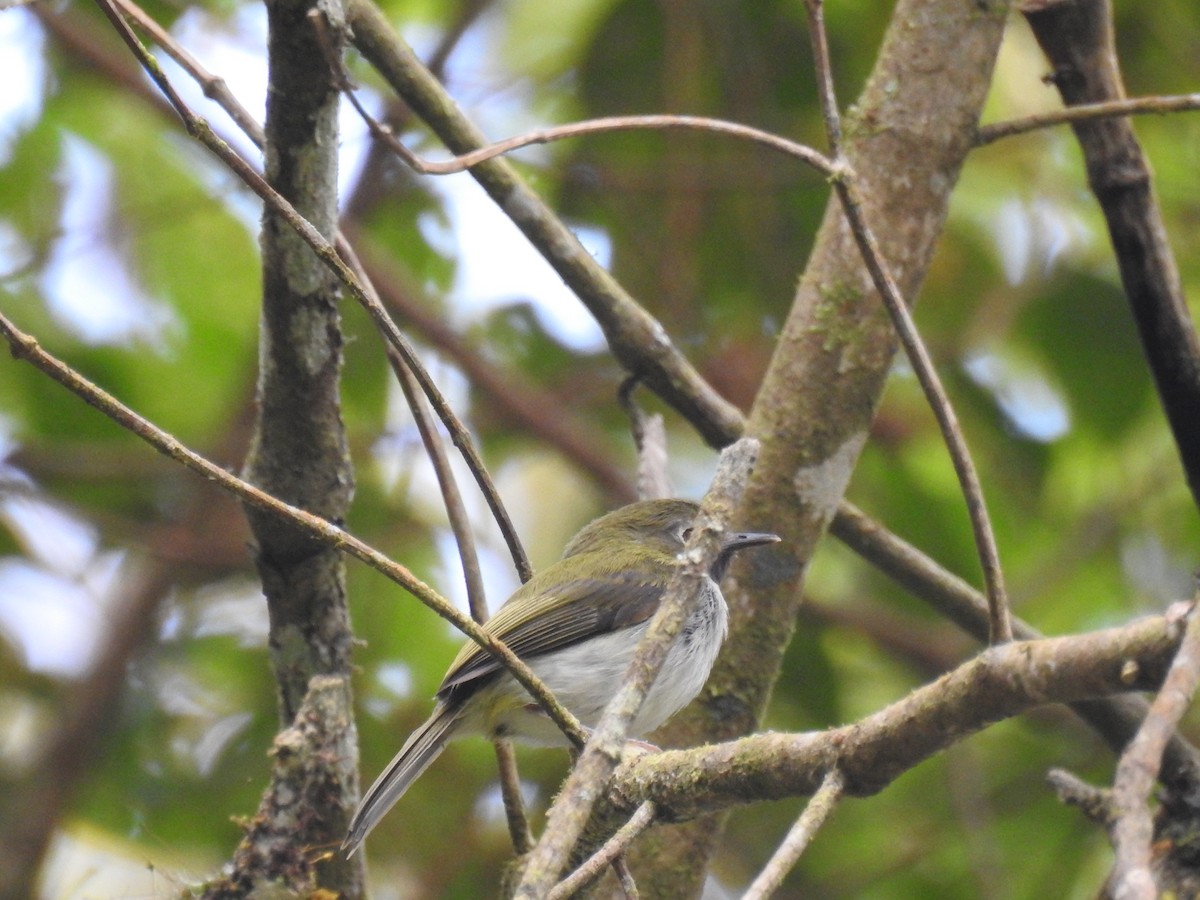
(299, 451)
(906, 139)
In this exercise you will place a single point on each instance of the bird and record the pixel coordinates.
(576, 623)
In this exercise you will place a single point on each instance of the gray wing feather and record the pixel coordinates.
(422, 747)
(592, 606)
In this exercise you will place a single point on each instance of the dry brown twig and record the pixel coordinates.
(1088, 112)
(571, 810)
(1133, 830)
(24, 347)
(846, 185)
(608, 854)
(816, 813)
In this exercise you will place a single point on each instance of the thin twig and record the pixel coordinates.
(25, 347)
(625, 878)
(1133, 830)
(199, 128)
(572, 808)
(823, 69)
(815, 814)
(460, 524)
(999, 683)
(845, 183)
(605, 125)
(214, 86)
(650, 439)
(519, 831)
(614, 847)
(638, 341)
(1095, 803)
(1085, 112)
(456, 510)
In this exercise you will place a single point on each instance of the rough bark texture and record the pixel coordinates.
(1077, 37)
(283, 851)
(299, 452)
(906, 138)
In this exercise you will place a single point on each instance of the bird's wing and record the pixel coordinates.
(545, 622)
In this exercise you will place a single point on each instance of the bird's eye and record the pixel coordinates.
(685, 534)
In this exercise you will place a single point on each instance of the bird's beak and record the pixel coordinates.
(732, 543)
(743, 539)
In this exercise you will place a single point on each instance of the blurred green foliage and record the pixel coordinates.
(1021, 308)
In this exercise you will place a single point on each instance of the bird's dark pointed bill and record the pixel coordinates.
(745, 539)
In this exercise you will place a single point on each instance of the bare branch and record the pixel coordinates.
(596, 864)
(1095, 803)
(818, 810)
(1087, 112)
(1115, 719)
(26, 348)
(1004, 681)
(1133, 829)
(846, 185)
(573, 807)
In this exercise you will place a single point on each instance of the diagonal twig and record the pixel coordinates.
(595, 865)
(24, 347)
(845, 183)
(815, 814)
(1087, 112)
(573, 807)
(1133, 830)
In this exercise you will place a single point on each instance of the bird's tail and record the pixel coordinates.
(422, 747)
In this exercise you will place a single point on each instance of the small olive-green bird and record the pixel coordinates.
(577, 624)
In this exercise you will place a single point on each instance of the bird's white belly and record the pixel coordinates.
(584, 677)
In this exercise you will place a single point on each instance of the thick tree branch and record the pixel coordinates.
(1115, 719)
(1077, 37)
(299, 451)
(282, 850)
(637, 340)
(1002, 682)
(836, 350)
